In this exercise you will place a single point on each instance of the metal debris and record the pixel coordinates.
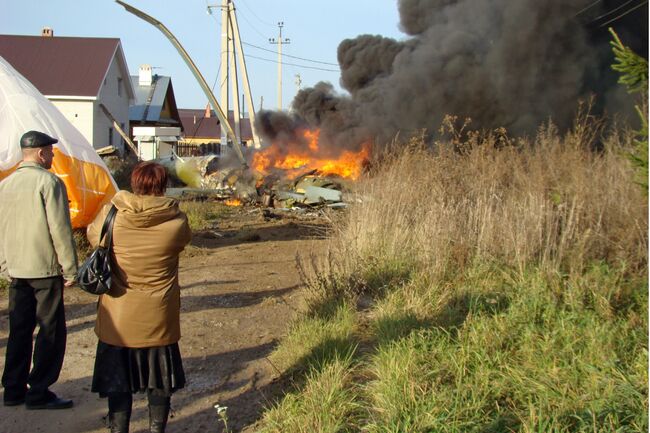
(205, 179)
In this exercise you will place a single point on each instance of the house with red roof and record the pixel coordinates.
(87, 79)
(202, 131)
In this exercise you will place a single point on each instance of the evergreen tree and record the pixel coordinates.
(634, 75)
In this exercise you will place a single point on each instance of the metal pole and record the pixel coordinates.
(195, 71)
(280, 25)
(280, 42)
(234, 80)
(223, 70)
(244, 71)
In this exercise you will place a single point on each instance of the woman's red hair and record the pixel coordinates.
(149, 178)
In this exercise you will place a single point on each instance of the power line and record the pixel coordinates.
(272, 51)
(625, 13)
(255, 15)
(610, 12)
(293, 64)
(588, 7)
(613, 10)
(252, 26)
(288, 55)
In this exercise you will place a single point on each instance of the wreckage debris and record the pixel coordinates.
(308, 190)
(243, 185)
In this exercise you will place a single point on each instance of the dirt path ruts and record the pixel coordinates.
(240, 288)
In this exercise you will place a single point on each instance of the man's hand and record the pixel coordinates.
(69, 283)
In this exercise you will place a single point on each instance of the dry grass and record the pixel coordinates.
(552, 202)
(501, 285)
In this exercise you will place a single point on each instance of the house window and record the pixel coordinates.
(119, 87)
(110, 136)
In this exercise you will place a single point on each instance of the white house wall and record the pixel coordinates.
(80, 114)
(117, 103)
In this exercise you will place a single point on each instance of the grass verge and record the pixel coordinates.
(493, 285)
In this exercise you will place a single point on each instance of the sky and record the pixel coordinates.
(315, 29)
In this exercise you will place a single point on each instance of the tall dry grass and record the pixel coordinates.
(501, 285)
(551, 201)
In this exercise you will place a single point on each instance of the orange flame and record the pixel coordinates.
(233, 202)
(299, 160)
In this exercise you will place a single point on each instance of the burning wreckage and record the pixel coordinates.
(294, 171)
(284, 175)
(291, 172)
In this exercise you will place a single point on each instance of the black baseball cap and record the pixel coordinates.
(34, 139)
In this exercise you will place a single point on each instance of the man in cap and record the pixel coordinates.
(38, 253)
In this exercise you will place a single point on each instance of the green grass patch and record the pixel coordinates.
(326, 404)
(315, 340)
(496, 351)
(202, 215)
(537, 365)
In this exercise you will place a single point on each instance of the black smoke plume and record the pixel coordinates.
(504, 63)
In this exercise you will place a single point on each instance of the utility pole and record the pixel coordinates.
(243, 104)
(279, 42)
(223, 118)
(232, 76)
(298, 82)
(224, 64)
(223, 70)
(232, 53)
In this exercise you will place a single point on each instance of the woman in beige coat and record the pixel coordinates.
(138, 320)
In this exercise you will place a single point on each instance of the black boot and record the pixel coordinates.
(119, 422)
(158, 415)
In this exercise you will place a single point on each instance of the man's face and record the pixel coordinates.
(46, 156)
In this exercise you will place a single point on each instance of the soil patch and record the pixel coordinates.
(240, 289)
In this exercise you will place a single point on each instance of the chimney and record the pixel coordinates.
(144, 76)
(208, 112)
(47, 32)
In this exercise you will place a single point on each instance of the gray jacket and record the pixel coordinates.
(35, 231)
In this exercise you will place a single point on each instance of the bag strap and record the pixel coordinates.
(107, 228)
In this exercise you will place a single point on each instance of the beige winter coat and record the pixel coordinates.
(35, 232)
(142, 309)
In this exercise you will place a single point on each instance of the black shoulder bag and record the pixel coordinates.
(94, 275)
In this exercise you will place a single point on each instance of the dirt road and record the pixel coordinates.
(240, 288)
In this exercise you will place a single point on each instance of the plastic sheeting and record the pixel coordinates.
(24, 108)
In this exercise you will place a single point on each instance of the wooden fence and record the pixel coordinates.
(191, 149)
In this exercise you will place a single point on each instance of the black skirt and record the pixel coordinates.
(124, 369)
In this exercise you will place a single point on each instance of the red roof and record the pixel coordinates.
(196, 125)
(63, 66)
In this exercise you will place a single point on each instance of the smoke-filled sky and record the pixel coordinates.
(501, 63)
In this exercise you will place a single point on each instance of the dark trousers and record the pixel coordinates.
(33, 301)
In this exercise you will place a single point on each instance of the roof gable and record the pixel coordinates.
(196, 125)
(155, 102)
(61, 66)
